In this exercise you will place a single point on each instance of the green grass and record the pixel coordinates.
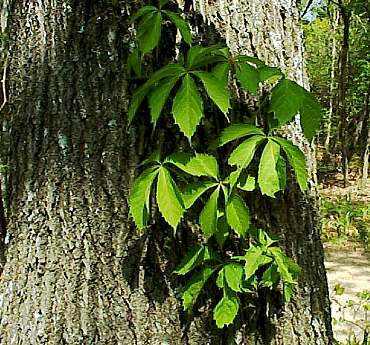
(344, 221)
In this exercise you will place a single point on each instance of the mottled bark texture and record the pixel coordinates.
(76, 271)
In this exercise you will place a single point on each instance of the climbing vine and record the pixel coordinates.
(201, 75)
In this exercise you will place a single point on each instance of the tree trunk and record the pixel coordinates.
(342, 88)
(77, 272)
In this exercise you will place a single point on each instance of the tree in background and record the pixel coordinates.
(76, 270)
(337, 42)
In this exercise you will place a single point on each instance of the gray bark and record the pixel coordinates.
(76, 270)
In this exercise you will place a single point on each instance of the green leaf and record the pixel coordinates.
(248, 77)
(136, 101)
(169, 199)
(199, 56)
(139, 197)
(154, 157)
(286, 99)
(203, 165)
(237, 131)
(248, 184)
(297, 160)
(268, 178)
(208, 216)
(149, 31)
(222, 230)
(237, 215)
(158, 97)
(288, 292)
(269, 73)
(181, 25)
(195, 190)
(311, 115)
(193, 288)
(163, 3)
(281, 262)
(192, 259)
(220, 281)
(171, 70)
(234, 177)
(187, 107)
(221, 72)
(281, 171)
(234, 276)
(226, 310)
(255, 259)
(244, 153)
(216, 90)
(134, 63)
(270, 277)
(143, 11)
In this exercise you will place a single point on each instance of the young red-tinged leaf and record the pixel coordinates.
(169, 199)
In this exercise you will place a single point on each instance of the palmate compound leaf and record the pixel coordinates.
(208, 216)
(227, 309)
(216, 90)
(181, 25)
(237, 214)
(149, 31)
(237, 131)
(297, 160)
(234, 276)
(193, 288)
(244, 153)
(158, 97)
(171, 70)
(187, 107)
(169, 199)
(139, 197)
(268, 178)
(194, 191)
(288, 99)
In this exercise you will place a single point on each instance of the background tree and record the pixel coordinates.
(77, 272)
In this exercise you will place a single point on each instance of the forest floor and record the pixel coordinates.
(346, 230)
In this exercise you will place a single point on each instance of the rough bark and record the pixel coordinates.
(76, 271)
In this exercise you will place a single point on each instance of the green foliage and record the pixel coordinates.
(183, 180)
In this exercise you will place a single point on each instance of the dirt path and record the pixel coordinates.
(349, 267)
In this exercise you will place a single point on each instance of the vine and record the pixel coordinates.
(197, 76)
